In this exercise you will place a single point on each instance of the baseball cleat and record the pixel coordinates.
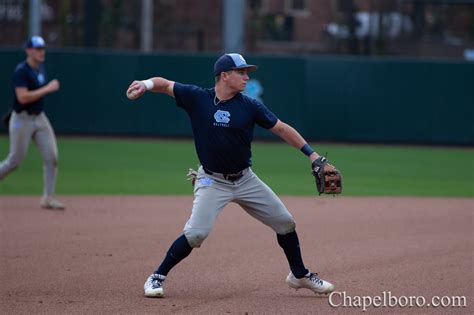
(51, 203)
(311, 281)
(154, 286)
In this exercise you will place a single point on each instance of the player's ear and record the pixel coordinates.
(225, 75)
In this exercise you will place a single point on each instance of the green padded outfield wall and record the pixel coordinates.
(338, 99)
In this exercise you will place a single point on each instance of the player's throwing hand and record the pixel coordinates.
(138, 88)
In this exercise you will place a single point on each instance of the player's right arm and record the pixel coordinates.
(26, 96)
(156, 84)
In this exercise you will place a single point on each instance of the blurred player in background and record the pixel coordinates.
(28, 120)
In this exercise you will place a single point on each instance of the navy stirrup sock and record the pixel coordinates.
(291, 246)
(179, 250)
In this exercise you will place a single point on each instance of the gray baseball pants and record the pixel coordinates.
(212, 193)
(24, 127)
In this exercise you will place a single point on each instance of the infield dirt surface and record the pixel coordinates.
(94, 257)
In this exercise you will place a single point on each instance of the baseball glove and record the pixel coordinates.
(328, 178)
(192, 176)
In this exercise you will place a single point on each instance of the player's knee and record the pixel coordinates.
(6, 169)
(51, 160)
(13, 163)
(285, 225)
(290, 226)
(196, 237)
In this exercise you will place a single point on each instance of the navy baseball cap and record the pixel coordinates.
(35, 42)
(231, 62)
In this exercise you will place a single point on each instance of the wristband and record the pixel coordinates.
(307, 150)
(148, 84)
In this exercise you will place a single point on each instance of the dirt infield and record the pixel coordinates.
(94, 257)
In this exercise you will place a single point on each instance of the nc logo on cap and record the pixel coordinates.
(238, 59)
(37, 41)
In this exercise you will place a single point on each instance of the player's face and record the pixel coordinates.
(37, 55)
(237, 79)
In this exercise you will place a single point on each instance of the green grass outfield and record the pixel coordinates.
(91, 166)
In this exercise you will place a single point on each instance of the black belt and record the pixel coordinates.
(29, 112)
(230, 177)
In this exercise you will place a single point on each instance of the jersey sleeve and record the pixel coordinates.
(20, 78)
(263, 116)
(185, 94)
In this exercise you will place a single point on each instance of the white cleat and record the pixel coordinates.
(311, 281)
(48, 202)
(154, 286)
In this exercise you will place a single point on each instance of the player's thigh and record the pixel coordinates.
(207, 204)
(21, 129)
(45, 139)
(259, 200)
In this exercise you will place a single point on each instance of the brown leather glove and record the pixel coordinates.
(191, 176)
(328, 178)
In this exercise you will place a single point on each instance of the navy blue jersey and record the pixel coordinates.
(222, 133)
(32, 79)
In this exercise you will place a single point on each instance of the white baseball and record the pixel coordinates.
(133, 94)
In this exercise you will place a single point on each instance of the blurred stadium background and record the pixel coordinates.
(413, 28)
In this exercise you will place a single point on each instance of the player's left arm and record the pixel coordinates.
(292, 137)
(328, 178)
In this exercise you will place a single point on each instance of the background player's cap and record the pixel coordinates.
(231, 62)
(35, 42)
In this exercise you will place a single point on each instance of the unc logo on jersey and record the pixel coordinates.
(222, 118)
(40, 78)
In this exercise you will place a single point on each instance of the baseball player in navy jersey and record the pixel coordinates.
(28, 120)
(223, 120)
